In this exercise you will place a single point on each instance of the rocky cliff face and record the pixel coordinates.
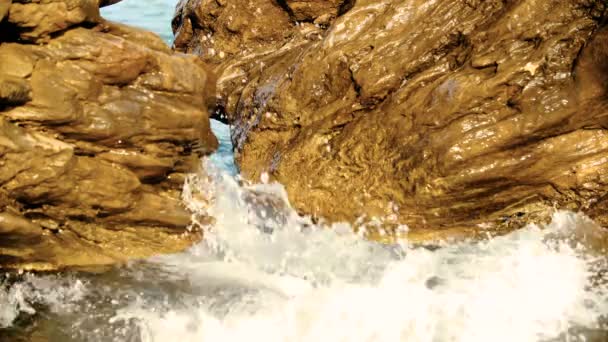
(98, 124)
(438, 114)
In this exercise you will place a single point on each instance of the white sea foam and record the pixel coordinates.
(263, 273)
(297, 282)
(56, 292)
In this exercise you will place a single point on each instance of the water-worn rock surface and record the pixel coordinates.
(438, 114)
(98, 124)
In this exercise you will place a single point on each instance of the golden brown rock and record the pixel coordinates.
(4, 6)
(37, 20)
(95, 122)
(437, 114)
(313, 10)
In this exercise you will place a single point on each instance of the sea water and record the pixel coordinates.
(264, 273)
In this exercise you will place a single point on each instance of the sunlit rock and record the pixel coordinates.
(97, 121)
(446, 115)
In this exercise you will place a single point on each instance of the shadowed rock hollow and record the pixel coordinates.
(438, 114)
(99, 122)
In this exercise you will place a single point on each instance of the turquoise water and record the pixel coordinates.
(224, 156)
(153, 15)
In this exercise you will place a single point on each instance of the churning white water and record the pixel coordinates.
(265, 274)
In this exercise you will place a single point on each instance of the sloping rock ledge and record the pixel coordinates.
(455, 117)
(99, 122)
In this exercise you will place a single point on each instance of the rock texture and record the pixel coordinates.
(98, 124)
(441, 115)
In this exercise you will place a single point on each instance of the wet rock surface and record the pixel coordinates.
(441, 115)
(99, 122)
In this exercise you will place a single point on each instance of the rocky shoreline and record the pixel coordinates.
(453, 118)
(100, 123)
(441, 115)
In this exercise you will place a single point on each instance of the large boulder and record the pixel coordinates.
(446, 116)
(99, 123)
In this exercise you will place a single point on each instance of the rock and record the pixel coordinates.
(311, 10)
(104, 3)
(95, 124)
(4, 6)
(446, 116)
(14, 90)
(37, 21)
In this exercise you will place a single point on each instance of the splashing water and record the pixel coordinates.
(223, 157)
(264, 273)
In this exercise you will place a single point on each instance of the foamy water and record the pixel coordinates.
(265, 274)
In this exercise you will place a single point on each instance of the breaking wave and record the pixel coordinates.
(263, 273)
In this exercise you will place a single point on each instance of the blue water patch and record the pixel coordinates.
(155, 16)
(224, 156)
